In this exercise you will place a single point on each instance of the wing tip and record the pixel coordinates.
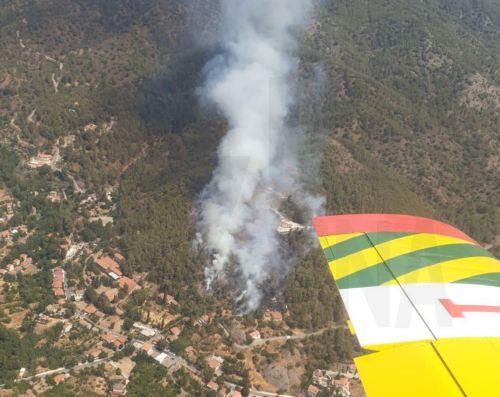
(372, 223)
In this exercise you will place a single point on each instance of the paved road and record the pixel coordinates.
(63, 370)
(257, 393)
(297, 335)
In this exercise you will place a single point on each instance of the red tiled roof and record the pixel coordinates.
(90, 309)
(213, 386)
(58, 292)
(109, 265)
(175, 331)
(125, 281)
(341, 382)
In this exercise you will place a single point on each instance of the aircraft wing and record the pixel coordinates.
(423, 296)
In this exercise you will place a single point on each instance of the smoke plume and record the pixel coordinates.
(250, 83)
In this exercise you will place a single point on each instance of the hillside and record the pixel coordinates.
(103, 143)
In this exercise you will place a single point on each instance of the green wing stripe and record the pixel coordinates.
(400, 265)
(359, 243)
(491, 279)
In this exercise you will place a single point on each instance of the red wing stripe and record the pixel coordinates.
(457, 311)
(376, 223)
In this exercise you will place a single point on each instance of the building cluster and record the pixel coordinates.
(273, 315)
(111, 267)
(336, 381)
(23, 264)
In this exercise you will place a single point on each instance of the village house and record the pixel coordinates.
(67, 326)
(233, 393)
(147, 348)
(145, 330)
(90, 309)
(312, 391)
(43, 159)
(190, 351)
(5, 234)
(215, 363)
(60, 378)
(203, 320)
(175, 331)
(274, 316)
(255, 334)
(116, 341)
(212, 386)
(125, 282)
(109, 266)
(78, 295)
(341, 387)
(118, 389)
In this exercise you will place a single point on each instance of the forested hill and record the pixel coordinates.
(407, 120)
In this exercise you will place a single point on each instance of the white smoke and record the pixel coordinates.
(250, 84)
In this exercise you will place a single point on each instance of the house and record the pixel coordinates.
(129, 283)
(162, 356)
(255, 334)
(59, 378)
(116, 341)
(341, 386)
(118, 389)
(78, 295)
(214, 363)
(175, 331)
(90, 309)
(43, 159)
(147, 348)
(321, 378)
(276, 316)
(145, 330)
(204, 320)
(234, 393)
(312, 391)
(212, 386)
(190, 350)
(109, 266)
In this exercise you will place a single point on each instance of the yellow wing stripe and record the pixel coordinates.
(369, 257)
(327, 241)
(449, 271)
